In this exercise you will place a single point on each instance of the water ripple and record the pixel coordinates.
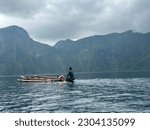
(86, 95)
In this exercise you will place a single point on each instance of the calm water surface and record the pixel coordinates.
(85, 95)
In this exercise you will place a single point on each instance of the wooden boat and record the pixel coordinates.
(41, 79)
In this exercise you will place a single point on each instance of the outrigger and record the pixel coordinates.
(38, 78)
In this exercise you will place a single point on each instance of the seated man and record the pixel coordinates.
(70, 76)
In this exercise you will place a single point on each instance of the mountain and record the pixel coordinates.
(127, 51)
(19, 54)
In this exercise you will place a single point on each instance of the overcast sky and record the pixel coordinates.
(51, 20)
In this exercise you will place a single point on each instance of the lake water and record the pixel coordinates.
(84, 95)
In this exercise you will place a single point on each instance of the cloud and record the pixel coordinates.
(68, 19)
(21, 8)
(53, 20)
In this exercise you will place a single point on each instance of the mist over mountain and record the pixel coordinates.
(20, 54)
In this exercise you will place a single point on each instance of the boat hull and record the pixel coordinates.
(40, 79)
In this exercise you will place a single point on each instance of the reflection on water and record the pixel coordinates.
(84, 95)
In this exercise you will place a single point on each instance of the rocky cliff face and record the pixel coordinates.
(19, 54)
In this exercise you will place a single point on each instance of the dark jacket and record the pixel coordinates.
(70, 76)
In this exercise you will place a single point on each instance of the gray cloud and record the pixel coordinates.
(21, 8)
(53, 20)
